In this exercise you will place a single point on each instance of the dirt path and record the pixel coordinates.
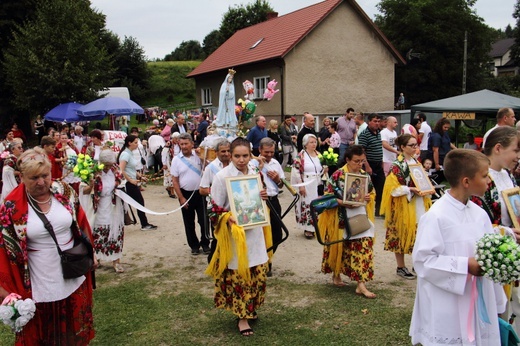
(297, 259)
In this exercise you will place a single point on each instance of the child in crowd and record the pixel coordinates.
(334, 140)
(49, 145)
(470, 144)
(445, 310)
(427, 164)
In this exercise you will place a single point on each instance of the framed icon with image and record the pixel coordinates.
(356, 187)
(512, 200)
(420, 179)
(247, 207)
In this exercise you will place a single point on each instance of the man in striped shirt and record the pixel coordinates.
(370, 139)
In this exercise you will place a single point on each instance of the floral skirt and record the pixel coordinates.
(107, 250)
(357, 259)
(65, 322)
(393, 243)
(234, 294)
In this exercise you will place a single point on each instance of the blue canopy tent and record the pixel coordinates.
(109, 105)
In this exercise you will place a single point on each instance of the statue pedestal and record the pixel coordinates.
(226, 132)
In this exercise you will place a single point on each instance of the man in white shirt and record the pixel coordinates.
(79, 140)
(186, 171)
(359, 118)
(388, 137)
(273, 175)
(424, 135)
(505, 117)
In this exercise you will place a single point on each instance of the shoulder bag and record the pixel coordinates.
(77, 261)
(357, 224)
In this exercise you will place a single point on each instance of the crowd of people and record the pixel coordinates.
(371, 148)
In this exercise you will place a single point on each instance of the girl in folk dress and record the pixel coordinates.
(402, 204)
(239, 264)
(307, 169)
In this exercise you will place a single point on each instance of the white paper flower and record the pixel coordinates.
(21, 322)
(6, 312)
(25, 307)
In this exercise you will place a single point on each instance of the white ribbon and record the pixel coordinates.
(130, 201)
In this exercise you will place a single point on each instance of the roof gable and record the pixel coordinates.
(499, 48)
(276, 37)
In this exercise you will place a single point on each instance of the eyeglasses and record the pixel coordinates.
(415, 145)
(358, 162)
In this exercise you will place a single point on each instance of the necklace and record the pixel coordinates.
(32, 199)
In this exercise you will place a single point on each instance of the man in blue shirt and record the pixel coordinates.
(256, 134)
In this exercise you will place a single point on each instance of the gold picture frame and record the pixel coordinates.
(512, 200)
(355, 190)
(420, 179)
(247, 207)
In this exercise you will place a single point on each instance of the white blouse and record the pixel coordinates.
(47, 282)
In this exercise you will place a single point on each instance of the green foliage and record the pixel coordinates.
(132, 69)
(515, 50)
(211, 42)
(45, 67)
(433, 31)
(240, 16)
(169, 85)
(187, 50)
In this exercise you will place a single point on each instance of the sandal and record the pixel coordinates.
(119, 268)
(338, 283)
(308, 235)
(244, 332)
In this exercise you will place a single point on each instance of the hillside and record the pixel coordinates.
(169, 87)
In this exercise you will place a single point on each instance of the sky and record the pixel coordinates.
(161, 25)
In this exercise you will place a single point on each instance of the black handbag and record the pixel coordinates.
(78, 260)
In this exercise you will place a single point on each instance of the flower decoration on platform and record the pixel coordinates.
(86, 168)
(499, 258)
(16, 312)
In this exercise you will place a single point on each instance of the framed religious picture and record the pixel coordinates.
(420, 179)
(512, 200)
(356, 187)
(245, 202)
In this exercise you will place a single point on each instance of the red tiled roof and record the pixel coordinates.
(278, 36)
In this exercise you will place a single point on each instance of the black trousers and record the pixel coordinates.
(196, 205)
(378, 179)
(134, 192)
(276, 226)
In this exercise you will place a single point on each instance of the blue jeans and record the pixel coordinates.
(342, 149)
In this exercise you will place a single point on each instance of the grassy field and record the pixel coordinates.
(167, 307)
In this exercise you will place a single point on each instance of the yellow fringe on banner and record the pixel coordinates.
(399, 213)
(328, 226)
(224, 252)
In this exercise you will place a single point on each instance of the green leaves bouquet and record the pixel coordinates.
(329, 158)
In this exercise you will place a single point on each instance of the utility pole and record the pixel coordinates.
(464, 64)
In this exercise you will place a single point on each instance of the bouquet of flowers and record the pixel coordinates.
(71, 162)
(86, 168)
(499, 258)
(329, 158)
(15, 312)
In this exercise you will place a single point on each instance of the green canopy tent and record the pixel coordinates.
(484, 103)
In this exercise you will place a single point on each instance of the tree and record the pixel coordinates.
(211, 42)
(58, 56)
(515, 50)
(187, 50)
(239, 17)
(431, 35)
(131, 69)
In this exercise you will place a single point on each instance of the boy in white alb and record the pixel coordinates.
(445, 311)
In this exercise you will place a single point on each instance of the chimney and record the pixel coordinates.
(272, 15)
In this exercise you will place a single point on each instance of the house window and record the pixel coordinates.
(260, 86)
(205, 96)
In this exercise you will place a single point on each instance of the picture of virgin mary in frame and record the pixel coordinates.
(245, 202)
